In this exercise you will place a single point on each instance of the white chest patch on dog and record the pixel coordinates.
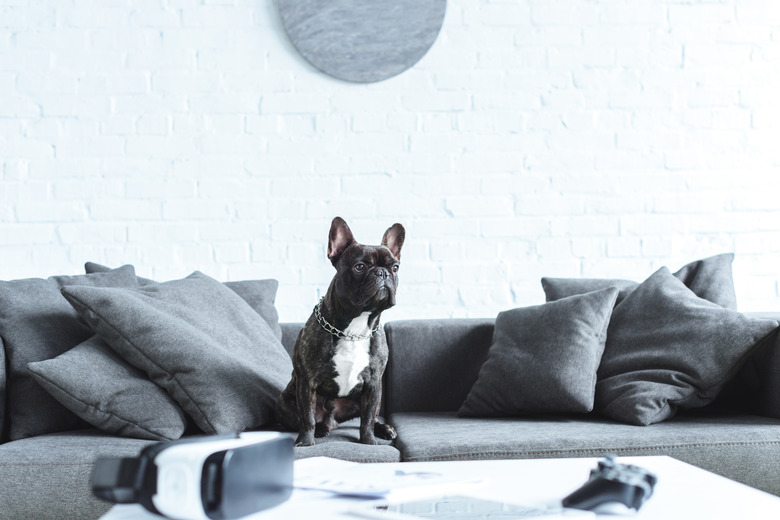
(352, 356)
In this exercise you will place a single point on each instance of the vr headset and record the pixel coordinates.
(217, 477)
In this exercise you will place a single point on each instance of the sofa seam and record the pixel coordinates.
(481, 455)
(25, 464)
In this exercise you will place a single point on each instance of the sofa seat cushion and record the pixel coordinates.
(48, 476)
(342, 443)
(736, 446)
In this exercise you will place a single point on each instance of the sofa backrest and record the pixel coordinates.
(290, 335)
(434, 363)
(756, 387)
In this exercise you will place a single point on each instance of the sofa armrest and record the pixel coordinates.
(434, 363)
(756, 387)
(3, 429)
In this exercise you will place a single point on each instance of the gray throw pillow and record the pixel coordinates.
(213, 354)
(709, 278)
(96, 384)
(36, 323)
(92, 267)
(668, 349)
(259, 294)
(557, 288)
(543, 358)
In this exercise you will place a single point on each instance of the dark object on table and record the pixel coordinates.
(612, 482)
(217, 477)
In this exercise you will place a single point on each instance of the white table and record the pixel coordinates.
(683, 491)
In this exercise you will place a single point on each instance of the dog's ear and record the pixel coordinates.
(394, 239)
(339, 239)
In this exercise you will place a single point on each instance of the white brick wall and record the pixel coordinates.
(537, 137)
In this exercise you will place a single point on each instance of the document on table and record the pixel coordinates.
(375, 481)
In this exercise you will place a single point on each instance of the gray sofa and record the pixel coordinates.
(433, 364)
(107, 363)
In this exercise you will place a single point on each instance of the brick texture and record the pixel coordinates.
(536, 138)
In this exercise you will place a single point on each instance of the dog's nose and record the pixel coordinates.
(382, 273)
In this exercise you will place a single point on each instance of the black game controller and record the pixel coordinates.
(612, 482)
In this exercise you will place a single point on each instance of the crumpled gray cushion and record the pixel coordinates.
(92, 267)
(36, 323)
(712, 279)
(213, 354)
(668, 349)
(259, 294)
(543, 358)
(96, 384)
(709, 278)
(557, 288)
(117, 397)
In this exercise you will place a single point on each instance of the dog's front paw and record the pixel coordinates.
(385, 431)
(321, 430)
(368, 439)
(305, 439)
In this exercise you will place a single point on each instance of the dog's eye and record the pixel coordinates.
(395, 268)
(360, 268)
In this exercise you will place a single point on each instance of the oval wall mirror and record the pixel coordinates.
(362, 40)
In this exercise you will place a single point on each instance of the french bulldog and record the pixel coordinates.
(341, 352)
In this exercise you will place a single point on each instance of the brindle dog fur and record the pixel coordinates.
(337, 378)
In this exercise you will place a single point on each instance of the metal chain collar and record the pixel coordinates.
(333, 331)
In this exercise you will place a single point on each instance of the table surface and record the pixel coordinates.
(683, 491)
